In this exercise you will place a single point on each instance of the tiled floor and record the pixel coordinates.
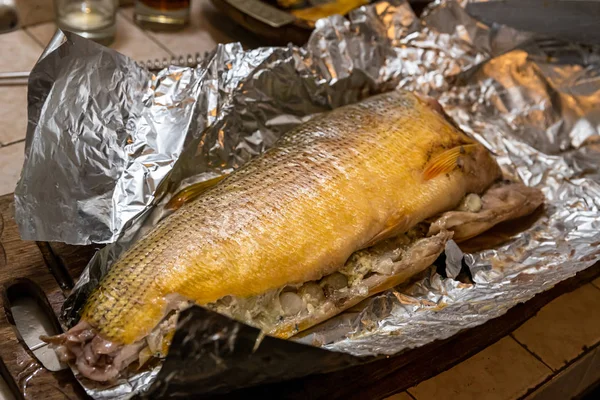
(13, 114)
(129, 40)
(11, 161)
(19, 53)
(562, 332)
(563, 328)
(207, 28)
(583, 373)
(504, 370)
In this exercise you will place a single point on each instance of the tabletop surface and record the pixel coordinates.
(563, 336)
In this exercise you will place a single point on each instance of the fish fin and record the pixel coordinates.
(446, 161)
(191, 192)
(394, 227)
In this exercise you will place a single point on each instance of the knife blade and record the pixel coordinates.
(574, 20)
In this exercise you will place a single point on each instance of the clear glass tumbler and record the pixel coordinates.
(92, 19)
(162, 15)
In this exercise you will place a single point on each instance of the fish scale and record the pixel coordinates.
(326, 189)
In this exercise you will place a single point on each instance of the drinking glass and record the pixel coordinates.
(92, 19)
(162, 15)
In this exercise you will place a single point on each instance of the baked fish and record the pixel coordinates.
(294, 236)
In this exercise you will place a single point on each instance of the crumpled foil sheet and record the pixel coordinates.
(122, 142)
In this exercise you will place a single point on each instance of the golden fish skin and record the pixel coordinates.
(330, 187)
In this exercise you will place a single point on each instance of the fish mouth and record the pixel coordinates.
(99, 359)
(92, 356)
(289, 310)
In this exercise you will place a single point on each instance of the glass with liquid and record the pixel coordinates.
(92, 19)
(162, 15)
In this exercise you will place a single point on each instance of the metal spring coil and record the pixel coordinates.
(189, 60)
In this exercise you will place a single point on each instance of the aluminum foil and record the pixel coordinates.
(123, 142)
